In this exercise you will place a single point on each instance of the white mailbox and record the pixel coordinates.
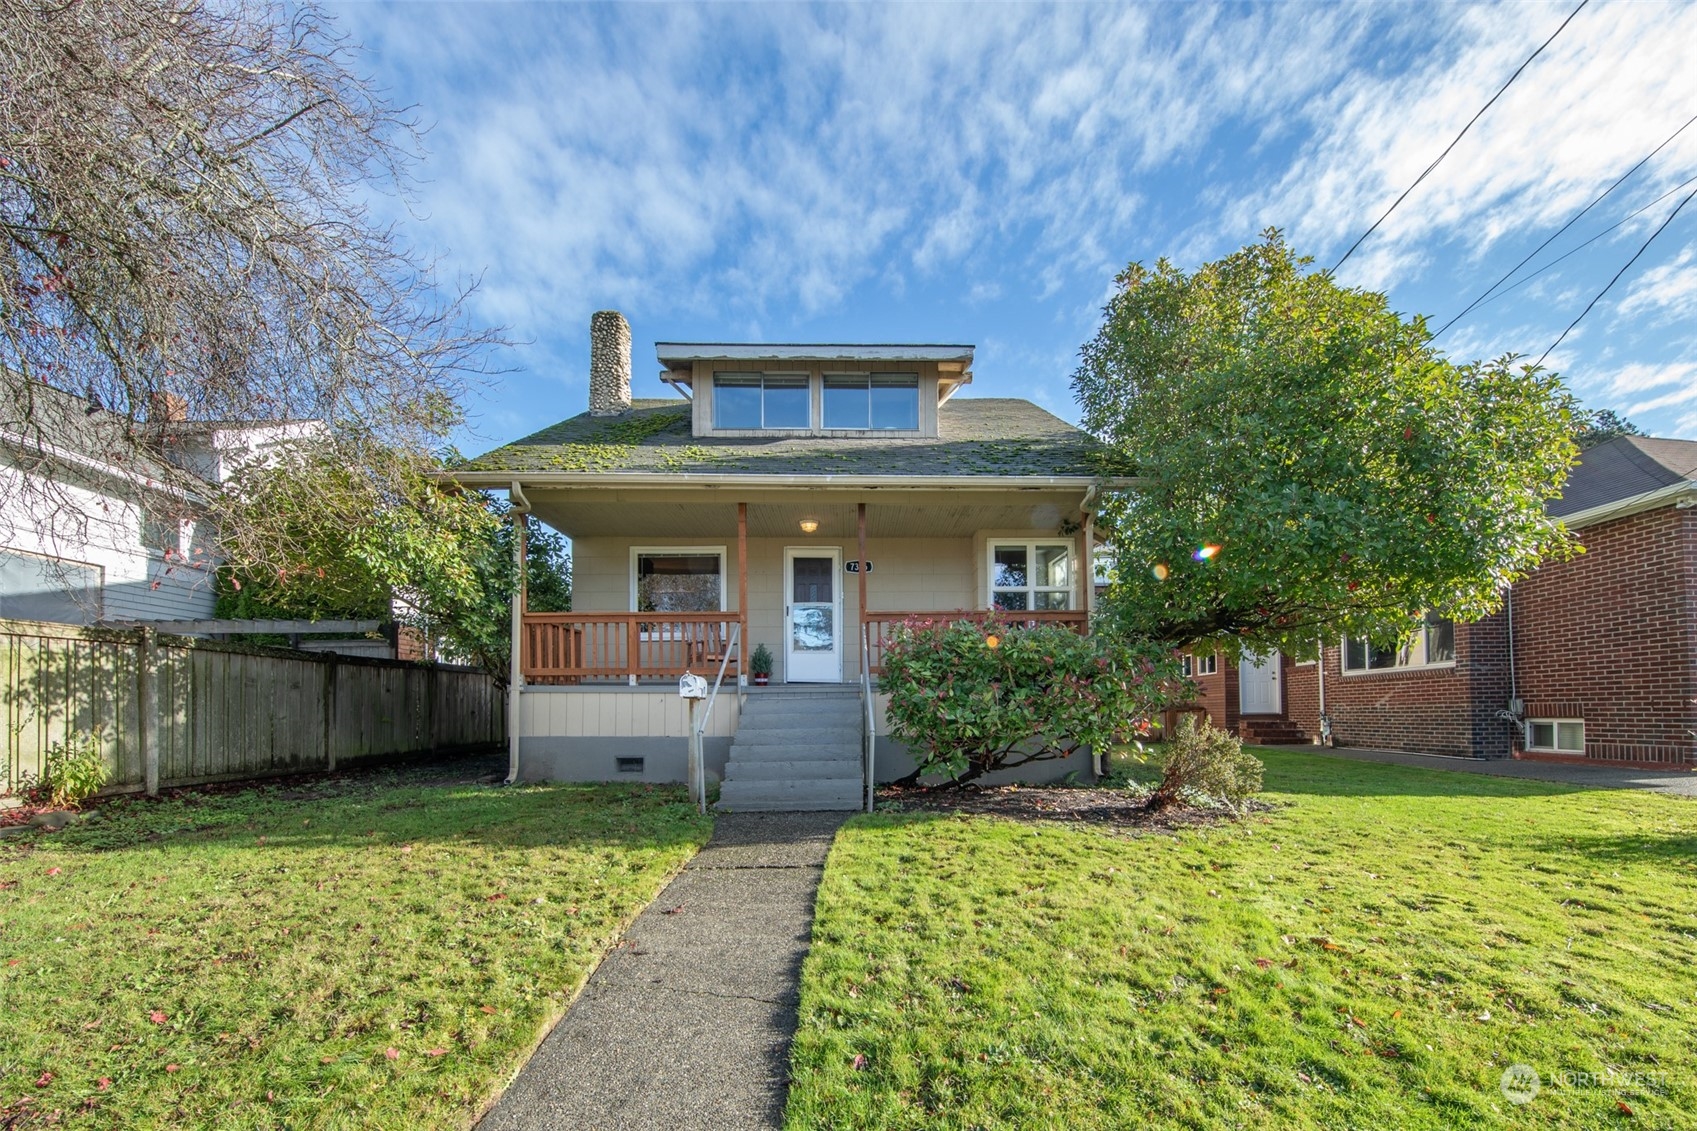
(691, 687)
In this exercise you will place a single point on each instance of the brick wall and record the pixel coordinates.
(1611, 637)
(1302, 696)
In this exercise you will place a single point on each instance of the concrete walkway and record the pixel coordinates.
(1681, 783)
(687, 1023)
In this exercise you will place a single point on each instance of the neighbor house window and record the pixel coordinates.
(1556, 736)
(760, 400)
(679, 581)
(1433, 644)
(1030, 576)
(1207, 664)
(877, 401)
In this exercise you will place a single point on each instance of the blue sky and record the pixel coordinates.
(979, 173)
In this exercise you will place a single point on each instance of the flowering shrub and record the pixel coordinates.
(968, 698)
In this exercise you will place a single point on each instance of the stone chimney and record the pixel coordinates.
(609, 363)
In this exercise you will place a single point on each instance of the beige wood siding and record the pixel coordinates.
(642, 712)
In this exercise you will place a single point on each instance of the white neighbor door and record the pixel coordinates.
(1258, 685)
(813, 615)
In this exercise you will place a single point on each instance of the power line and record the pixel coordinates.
(1458, 138)
(1618, 274)
(1576, 218)
(1635, 213)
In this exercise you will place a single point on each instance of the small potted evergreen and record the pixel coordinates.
(760, 664)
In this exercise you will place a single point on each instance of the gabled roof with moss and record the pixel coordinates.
(988, 436)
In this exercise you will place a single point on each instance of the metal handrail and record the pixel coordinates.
(698, 762)
(869, 736)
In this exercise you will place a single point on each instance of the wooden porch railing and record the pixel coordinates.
(574, 647)
(878, 625)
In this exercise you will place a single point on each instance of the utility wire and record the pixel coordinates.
(1576, 218)
(1458, 138)
(1629, 216)
(1618, 274)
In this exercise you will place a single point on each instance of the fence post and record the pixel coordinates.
(147, 708)
(330, 712)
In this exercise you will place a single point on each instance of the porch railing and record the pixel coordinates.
(575, 647)
(878, 625)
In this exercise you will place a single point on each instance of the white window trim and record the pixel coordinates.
(1351, 673)
(1555, 729)
(637, 551)
(993, 544)
(1209, 659)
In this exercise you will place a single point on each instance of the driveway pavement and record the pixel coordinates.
(687, 1023)
(1677, 782)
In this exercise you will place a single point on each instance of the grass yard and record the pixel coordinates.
(382, 954)
(1373, 954)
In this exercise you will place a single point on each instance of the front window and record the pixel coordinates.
(1433, 644)
(1030, 576)
(680, 581)
(888, 401)
(760, 400)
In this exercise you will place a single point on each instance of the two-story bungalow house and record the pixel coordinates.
(801, 497)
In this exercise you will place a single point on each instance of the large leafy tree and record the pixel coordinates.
(433, 556)
(1310, 464)
(185, 235)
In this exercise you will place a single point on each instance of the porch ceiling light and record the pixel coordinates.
(809, 525)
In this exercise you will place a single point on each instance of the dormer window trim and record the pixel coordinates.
(742, 402)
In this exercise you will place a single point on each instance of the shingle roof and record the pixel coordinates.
(991, 436)
(1624, 468)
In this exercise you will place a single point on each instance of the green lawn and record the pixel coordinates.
(1374, 954)
(381, 956)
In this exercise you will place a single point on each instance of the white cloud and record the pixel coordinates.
(1668, 291)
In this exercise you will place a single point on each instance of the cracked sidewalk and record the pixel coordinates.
(687, 1021)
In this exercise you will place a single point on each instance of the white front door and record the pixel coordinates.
(813, 615)
(1258, 685)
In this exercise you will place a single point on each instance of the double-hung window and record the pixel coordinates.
(1030, 576)
(1432, 645)
(761, 400)
(882, 401)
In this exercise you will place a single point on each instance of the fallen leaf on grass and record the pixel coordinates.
(493, 898)
(327, 1060)
(487, 1008)
(53, 871)
(392, 1054)
(44, 1079)
(1263, 963)
(104, 1083)
(157, 1017)
(859, 1062)
(1622, 1105)
(435, 1052)
(173, 1067)
(87, 1025)
(1304, 1077)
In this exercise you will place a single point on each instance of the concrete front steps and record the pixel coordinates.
(796, 748)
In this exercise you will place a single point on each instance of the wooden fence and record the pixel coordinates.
(172, 710)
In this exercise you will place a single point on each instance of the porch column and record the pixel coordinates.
(515, 675)
(1087, 577)
(742, 592)
(865, 660)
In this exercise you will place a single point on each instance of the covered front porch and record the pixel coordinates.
(681, 580)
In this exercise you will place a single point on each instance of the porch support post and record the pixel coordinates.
(515, 658)
(742, 592)
(864, 660)
(1087, 568)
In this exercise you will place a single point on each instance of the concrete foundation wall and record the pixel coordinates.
(664, 760)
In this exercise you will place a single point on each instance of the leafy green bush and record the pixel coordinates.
(970, 698)
(1205, 763)
(75, 770)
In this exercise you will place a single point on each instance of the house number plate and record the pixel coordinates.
(853, 566)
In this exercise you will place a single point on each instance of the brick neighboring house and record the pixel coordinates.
(1592, 659)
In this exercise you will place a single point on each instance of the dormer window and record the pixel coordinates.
(872, 401)
(761, 400)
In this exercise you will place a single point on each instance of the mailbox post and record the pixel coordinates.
(692, 689)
